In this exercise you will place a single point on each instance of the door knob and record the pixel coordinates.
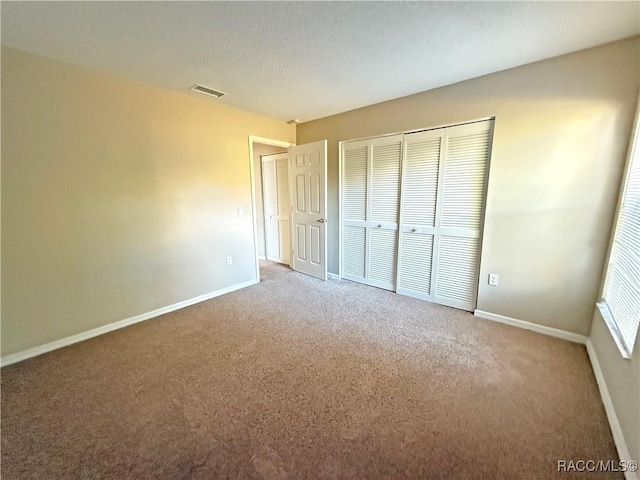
(322, 220)
(414, 230)
(380, 225)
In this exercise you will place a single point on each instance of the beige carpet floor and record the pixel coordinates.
(299, 379)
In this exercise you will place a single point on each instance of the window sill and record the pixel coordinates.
(613, 328)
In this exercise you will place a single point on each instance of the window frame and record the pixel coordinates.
(634, 149)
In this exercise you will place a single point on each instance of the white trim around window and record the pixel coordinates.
(620, 300)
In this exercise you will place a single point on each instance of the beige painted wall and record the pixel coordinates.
(260, 149)
(118, 198)
(561, 132)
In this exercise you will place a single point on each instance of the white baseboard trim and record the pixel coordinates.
(514, 322)
(333, 276)
(616, 429)
(48, 347)
(261, 257)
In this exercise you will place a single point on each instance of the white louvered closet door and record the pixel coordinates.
(412, 212)
(422, 158)
(371, 202)
(355, 165)
(384, 209)
(284, 208)
(459, 216)
(275, 187)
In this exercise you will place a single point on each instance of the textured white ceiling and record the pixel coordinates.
(310, 59)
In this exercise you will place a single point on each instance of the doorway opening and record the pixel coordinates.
(306, 172)
(260, 147)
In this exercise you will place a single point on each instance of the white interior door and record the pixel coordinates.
(308, 181)
(275, 188)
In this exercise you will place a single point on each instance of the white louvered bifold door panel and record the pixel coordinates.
(384, 210)
(382, 261)
(354, 182)
(284, 207)
(353, 252)
(457, 275)
(460, 210)
(275, 185)
(272, 236)
(282, 180)
(422, 153)
(385, 180)
(355, 165)
(464, 176)
(414, 264)
(370, 208)
(284, 229)
(270, 185)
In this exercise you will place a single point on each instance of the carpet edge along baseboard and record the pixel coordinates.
(110, 327)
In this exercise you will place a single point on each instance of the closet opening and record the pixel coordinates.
(412, 211)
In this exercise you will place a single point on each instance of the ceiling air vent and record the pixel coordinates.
(207, 91)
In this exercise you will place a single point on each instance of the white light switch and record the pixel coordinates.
(493, 279)
(239, 210)
(229, 260)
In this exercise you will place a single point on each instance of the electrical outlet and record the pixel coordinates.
(229, 260)
(493, 279)
(239, 210)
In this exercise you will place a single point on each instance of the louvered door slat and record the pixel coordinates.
(284, 240)
(355, 183)
(282, 179)
(270, 190)
(272, 233)
(416, 251)
(457, 270)
(382, 261)
(353, 252)
(420, 179)
(385, 181)
(464, 173)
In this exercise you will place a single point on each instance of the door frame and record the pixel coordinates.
(265, 141)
